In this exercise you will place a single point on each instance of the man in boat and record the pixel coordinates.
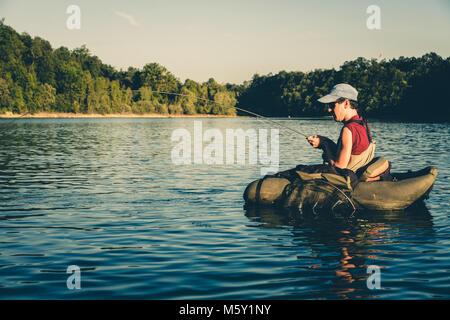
(355, 147)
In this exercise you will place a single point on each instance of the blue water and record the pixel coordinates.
(104, 195)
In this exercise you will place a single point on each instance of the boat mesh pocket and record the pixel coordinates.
(317, 196)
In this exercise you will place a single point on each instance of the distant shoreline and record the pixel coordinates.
(42, 115)
(59, 115)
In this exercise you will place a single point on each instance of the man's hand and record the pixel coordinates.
(314, 141)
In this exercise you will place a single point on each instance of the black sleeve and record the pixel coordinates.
(329, 149)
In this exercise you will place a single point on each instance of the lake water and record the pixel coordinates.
(105, 195)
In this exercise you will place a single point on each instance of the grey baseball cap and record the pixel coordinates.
(341, 90)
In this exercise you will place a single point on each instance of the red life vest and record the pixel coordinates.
(361, 136)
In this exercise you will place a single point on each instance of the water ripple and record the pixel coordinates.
(104, 195)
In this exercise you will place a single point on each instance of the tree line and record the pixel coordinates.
(403, 88)
(35, 77)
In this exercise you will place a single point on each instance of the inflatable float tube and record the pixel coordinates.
(322, 194)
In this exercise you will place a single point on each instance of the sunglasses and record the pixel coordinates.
(331, 105)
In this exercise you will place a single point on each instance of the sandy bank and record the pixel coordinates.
(9, 115)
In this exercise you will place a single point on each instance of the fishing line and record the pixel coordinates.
(237, 108)
(240, 109)
(198, 98)
(215, 102)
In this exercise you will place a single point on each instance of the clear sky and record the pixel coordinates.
(234, 39)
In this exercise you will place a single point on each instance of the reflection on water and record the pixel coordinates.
(344, 247)
(104, 195)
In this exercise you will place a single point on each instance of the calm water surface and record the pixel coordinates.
(104, 195)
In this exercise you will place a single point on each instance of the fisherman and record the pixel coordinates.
(355, 147)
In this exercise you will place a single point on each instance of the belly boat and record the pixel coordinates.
(325, 192)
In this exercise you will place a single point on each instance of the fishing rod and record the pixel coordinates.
(240, 109)
(212, 101)
(8, 159)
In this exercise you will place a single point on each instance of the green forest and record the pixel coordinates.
(402, 89)
(34, 77)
